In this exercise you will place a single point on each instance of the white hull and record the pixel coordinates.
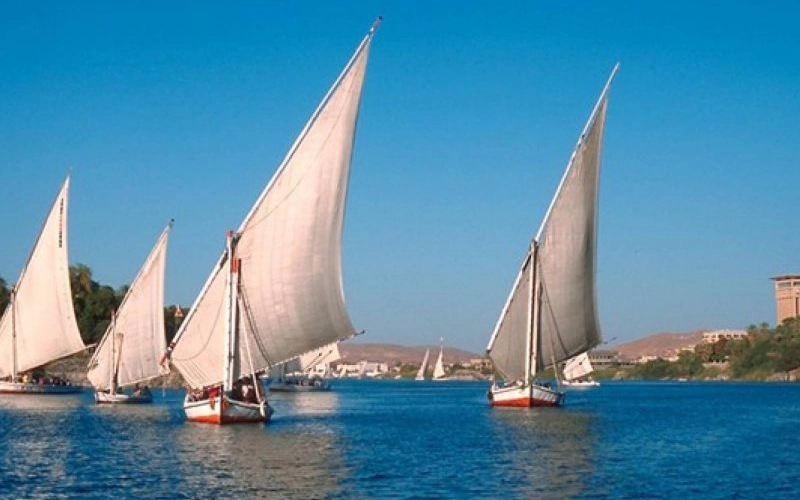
(121, 398)
(28, 388)
(224, 410)
(584, 384)
(292, 386)
(525, 396)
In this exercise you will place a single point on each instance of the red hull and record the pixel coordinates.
(524, 403)
(217, 419)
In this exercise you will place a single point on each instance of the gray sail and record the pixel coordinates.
(555, 317)
(567, 254)
(510, 340)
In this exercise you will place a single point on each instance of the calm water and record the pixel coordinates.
(401, 439)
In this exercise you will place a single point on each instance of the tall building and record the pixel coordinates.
(787, 296)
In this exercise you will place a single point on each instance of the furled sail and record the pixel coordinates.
(291, 295)
(139, 328)
(43, 318)
(578, 367)
(424, 366)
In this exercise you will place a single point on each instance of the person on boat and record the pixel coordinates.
(248, 391)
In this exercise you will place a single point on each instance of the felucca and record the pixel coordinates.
(38, 325)
(423, 367)
(276, 291)
(130, 351)
(438, 367)
(308, 372)
(551, 312)
(577, 370)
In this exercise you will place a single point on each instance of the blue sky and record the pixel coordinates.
(469, 114)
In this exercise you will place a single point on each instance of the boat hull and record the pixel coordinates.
(224, 410)
(525, 396)
(121, 398)
(294, 387)
(581, 385)
(28, 388)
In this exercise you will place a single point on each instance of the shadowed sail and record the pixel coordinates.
(39, 326)
(289, 297)
(131, 349)
(551, 313)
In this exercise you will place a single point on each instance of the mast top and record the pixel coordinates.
(375, 24)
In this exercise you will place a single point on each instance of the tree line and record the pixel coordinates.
(764, 353)
(94, 303)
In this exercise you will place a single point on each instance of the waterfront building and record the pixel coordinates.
(715, 336)
(787, 296)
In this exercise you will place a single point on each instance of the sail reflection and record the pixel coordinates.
(547, 453)
(255, 461)
(306, 404)
(41, 402)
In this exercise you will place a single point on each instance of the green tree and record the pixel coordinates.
(5, 295)
(93, 303)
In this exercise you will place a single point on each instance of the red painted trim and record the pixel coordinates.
(525, 402)
(215, 419)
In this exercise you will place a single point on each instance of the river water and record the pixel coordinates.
(404, 439)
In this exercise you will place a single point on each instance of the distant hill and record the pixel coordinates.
(391, 354)
(663, 344)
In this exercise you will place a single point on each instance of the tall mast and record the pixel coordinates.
(112, 383)
(530, 334)
(13, 306)
(536, 306)
(231, 306)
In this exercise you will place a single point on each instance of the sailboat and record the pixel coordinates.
(306, 373)
(131, 348)
(38, 325)
(423, 367)
(577, 370)
(551, 312)
(438, 368)
(276, 291)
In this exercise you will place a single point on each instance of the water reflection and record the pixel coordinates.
(257, 461)
(306, 404)
(40, 402)
(544, 452)
(35, 448)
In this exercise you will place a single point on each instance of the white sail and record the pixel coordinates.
(325, 355)
(438, 368)
(423, 367)
(136, 338)
(578, 367)
(551, 313)
(291, 294)
(43, 318)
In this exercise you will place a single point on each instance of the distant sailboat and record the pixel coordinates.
(551, 312)
(306, 373)
(130, 350)
(438, 368)
(276, 291)
(38, 325)
(423, 367)
(577, 370)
